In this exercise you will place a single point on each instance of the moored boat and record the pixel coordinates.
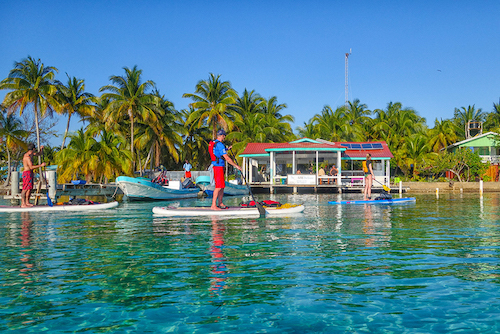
(142, 189)
(231, 189)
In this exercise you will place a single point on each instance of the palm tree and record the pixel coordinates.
(417, 148)
(357, 116)
(248, 103)
(79, 157)
(330, 125)
(196, 141)
(130, 99)
(212, 98)
(31, 83)
(493, 119)
(114, 159)
(13, 136)
(464, 115)
(307, 130)
(442, 135)
(74, 99)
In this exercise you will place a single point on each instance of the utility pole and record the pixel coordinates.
(347, 78)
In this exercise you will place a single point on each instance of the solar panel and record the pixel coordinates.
(363, 146)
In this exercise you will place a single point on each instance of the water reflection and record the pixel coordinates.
(219, 269)
(26, 259)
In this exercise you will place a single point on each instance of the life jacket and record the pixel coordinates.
(213, 157)
(365, 167)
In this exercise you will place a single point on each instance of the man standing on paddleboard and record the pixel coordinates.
(218, 154)
(28, 175)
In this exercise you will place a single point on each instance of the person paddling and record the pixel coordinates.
(219, 156)
(28, 176)
(368, 171)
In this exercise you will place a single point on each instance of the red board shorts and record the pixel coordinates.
(187, 175)
(219, 177)
(28, 180)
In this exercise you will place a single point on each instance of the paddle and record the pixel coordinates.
(262, 211)
(386, 188)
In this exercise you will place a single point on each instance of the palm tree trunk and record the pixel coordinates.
(149, 156)
(37, 134)
(132, 139)
(66, 131)
(157, 151)
(6, 184)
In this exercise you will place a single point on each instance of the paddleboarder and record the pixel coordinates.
(28, 175)
(368, 171)
(219, 156)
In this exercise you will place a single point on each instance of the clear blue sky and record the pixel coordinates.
(432, 56)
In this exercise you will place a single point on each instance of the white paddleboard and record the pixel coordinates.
(231, 211)
(43, 208)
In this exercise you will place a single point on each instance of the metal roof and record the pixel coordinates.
(350, 150)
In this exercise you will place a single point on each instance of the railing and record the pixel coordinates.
(494, 159)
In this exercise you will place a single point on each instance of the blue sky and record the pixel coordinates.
(433, 56)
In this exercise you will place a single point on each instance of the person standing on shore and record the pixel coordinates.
(187, 169)
(368, 171)
(219, 157)
(28, 175)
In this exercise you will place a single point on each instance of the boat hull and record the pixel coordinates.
(231, 211)
(46, 208)
(229, 190)
(141, 189)
(383, 201)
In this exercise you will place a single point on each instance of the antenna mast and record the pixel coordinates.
(347, 78)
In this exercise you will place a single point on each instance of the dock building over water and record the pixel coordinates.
(299, 164)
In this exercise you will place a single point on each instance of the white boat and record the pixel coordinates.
(141, 189)
(231, 189)
(55, 207)
(231, 211)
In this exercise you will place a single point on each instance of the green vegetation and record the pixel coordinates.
(131, 126)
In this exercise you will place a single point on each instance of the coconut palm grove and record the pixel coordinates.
(132, 126)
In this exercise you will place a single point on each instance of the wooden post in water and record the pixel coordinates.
(14, 187)
(52, 184)
(481, 187)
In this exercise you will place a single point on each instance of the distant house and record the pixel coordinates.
(487, 145)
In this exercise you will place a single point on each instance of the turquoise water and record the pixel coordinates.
(429, 267)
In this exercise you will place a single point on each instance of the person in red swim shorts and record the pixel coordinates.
(28, 174)
(219, 159)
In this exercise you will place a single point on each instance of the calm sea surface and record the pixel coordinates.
(429, 267)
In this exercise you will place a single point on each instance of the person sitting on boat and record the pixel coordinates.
(219, 157)
(28, 175)
(187, 169)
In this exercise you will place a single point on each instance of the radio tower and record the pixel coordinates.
(347, 78)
